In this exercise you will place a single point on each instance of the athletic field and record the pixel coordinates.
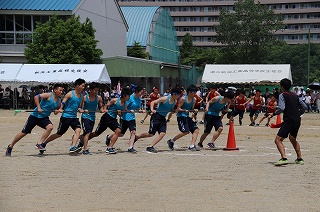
(179, 180)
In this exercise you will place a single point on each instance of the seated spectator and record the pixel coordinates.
(6, 93)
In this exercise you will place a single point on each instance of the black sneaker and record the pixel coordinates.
(86, 152)
(200, 145)
(78, 149)
(8, 151)
(108, 140)
(194, 148)
(132, 150)
(170, 144)
(111, 150)
(252, 124)
(151, 149)
(41, 146)
(80, 143)
(240, 122)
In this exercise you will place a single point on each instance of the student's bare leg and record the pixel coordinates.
(52, 137)
(76, 136)
(280, 146)
(114, 137)
(180, 135)
(132, 138)
(17, 138)
(144, 135)
(85, 141)
(216, 134)
(262, 119)
(203, 137)
(46, 133)
(295, 145)
(158, 138)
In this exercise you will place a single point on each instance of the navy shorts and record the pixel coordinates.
(186, 124)
(236, 112)
(107, 121)
(34, 121)
(125, 125)
(287, 128)
(267, 114)
(211, 121)
(65, 123)
(254, 112)
(87, 125)
(158, 124)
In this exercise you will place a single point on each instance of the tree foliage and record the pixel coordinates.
(297, 57)
(137, 51)
(64, 42)
(247, 32)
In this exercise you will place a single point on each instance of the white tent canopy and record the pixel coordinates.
(243, 74)
(8, 72)
(63, 73)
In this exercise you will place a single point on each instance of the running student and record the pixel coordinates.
(175, 106)
(212, 93)
(240, 107)
(90, 103)
(197, 106)
(70, 104)
(128, 119)
(256, 107)
(292, 108)
(109, 119)
(185, 122)
(213, 118)
(50, 102)
(153, 96)
(158, 121)
(271, 108)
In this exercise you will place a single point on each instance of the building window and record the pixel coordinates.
(18, 29)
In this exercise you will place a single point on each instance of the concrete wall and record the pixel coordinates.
(107, 20)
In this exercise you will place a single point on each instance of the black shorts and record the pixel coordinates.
(211, 121)
(254, 112)
(236, 112)
(186, 124)
(127, 124)
(87, 125)
(197, 107)
(287, 128)
(65, 123)
(267, 114)
(34, 121)
(158, 124)
(107, 121)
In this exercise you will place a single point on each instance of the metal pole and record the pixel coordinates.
(309, 56)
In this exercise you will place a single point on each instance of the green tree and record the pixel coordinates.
(137, 51)
(187, 49)
(247, 32)
(297, 57)
(191, 55)
(64, 42)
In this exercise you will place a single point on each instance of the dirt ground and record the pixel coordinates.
(179, 180)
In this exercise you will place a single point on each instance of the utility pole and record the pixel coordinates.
(309, 56)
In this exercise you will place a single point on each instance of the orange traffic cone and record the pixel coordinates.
(231, 143)
(278, 119)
